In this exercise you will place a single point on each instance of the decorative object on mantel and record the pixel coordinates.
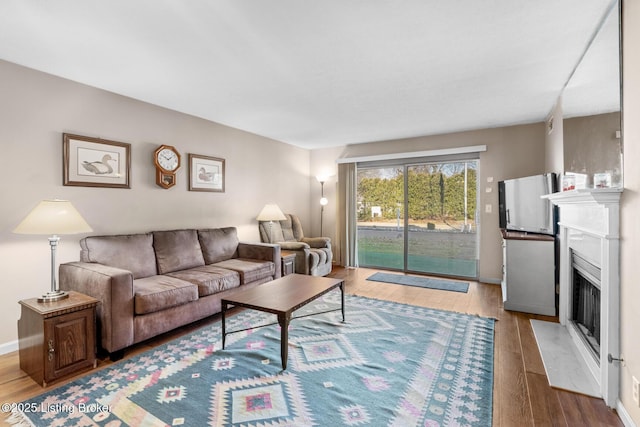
(572, 181)
(53, 217)
(167, 161)
(568, 182)
(602, 180)
(271, 212)
(95, 162)
(206, 173)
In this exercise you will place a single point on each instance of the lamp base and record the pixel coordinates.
(52, 296)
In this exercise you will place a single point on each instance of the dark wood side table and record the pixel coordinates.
(57, 339)
(288, 262)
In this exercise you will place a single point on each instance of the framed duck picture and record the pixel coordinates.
(95, 162)
(206, 173)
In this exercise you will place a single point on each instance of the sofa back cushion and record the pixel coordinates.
(131, 252)
(177, 250)
(218, 244)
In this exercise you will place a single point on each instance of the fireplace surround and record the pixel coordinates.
(589, 229)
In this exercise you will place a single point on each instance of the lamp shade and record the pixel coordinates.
(53, 217)
(271, 212)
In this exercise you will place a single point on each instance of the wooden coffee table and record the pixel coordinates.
(282, 297)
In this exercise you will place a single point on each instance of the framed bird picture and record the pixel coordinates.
(95, 162)
(206, 173)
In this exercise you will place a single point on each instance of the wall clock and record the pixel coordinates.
(167, 161)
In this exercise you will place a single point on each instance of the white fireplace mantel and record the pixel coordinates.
(586, 195)
(589, 221)
(602, 196)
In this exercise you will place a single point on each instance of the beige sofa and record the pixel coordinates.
(151, 283)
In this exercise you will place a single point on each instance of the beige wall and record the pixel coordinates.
(36, 108)
(630, 226)
(512, 152)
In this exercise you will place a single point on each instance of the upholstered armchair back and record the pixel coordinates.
(288, 230)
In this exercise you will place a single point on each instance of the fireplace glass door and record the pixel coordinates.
(585, 308)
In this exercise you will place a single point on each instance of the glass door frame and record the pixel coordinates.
(405, 165)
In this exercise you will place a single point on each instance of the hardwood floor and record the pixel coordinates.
(521, 394)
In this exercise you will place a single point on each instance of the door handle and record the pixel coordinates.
(52, 350)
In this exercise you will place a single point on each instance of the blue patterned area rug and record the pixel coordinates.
(388, 365)
(423, 282)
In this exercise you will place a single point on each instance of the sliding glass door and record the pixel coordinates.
(381, 217)
(441, 226)
(419, 218)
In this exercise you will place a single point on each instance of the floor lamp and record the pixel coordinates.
(271, 212)
(323, 200)
(53, 217)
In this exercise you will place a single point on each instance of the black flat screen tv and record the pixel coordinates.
(521, 206)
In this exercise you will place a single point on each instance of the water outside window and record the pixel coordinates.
(419, 218)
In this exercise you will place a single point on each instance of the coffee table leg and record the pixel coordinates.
(224, 332)
(283, 320)
(342, 298)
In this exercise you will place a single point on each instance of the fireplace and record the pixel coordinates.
(586, 302)
(589, 295)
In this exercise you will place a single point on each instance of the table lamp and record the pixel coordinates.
(271, 212)
(53, 217)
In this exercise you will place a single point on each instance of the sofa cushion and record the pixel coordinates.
(209, 279)
(132, 252)
(177, 250)
(250, 269)
(157, 293)
(218, 244)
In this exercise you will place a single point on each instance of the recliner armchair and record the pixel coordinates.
(313, 254)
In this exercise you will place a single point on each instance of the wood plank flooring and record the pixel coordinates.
(521, 395)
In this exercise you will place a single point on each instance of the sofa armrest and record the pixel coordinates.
(264, 252)
(113, 287)
(317, 242)
(293, 246)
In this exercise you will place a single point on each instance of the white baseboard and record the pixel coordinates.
(490, 281)
(9, 347)
(624, 415)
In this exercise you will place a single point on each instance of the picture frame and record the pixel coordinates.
(206, 173)
(95, 162)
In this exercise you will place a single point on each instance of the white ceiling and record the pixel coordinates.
(321, 73)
